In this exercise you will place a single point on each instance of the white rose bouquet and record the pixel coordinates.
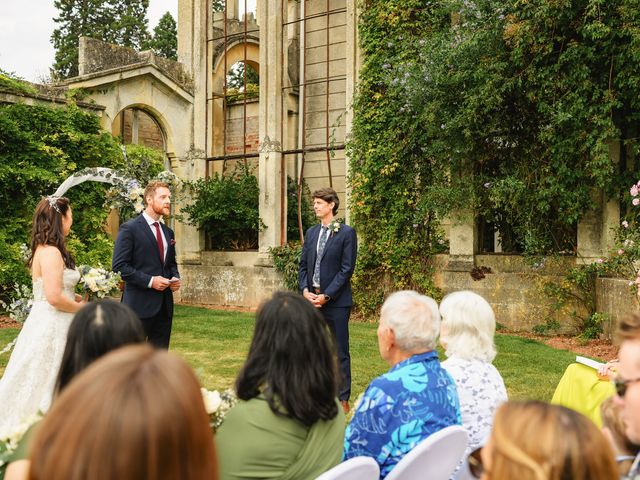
(217, 405)
(98, 282)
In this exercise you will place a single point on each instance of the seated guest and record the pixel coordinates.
(287, 424)
(583, 389)
(137, 413)
(95, 330)
(613, 427)
(466, 333)
(533, 440)
(414, 399)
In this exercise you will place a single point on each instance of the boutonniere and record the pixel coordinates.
(334, 226)
(172, 241)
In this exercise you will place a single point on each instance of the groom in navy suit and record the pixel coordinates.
(145, 256)
(324, 276)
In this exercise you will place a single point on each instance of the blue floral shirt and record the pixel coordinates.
(399, 409)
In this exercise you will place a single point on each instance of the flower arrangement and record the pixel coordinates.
(98, 282)
(21, 303)
(217, 405)
(128, 195)
(10, 442)
(334, 226)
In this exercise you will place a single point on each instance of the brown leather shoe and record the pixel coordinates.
(345, 406)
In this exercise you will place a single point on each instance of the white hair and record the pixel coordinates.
(469, 326)
(414, 319)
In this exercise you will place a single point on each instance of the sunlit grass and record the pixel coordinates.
(215, 344)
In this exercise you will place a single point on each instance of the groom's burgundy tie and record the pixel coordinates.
(159, 240)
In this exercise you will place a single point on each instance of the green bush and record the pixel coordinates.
(226, 208)
(307, 216)
(501, 109)
(39, 148)
(286, 260)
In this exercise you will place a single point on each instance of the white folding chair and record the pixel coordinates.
(435, 458)
(356, 468)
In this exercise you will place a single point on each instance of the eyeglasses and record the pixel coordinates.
(474, 461)
(622, 385)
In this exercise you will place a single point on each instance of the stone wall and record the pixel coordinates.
(514, 289)
(615, 298)
(228, 279)
(96, 56)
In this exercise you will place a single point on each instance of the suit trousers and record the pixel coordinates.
(157, 329)
(338, 320)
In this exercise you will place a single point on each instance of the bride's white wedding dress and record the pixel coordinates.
(29, 379)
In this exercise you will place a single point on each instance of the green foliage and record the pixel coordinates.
(286, 260)
(143, 164)
(9, 81)
(549, 327)
(238, 94)
(307, 216)
(39, 148)
(226, 208)
(594, 326)
(122, 22)
(500, 109)
(217, 5)
(165, 38)
(235, 77)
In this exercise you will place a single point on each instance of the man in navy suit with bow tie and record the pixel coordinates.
(327, 262)
(145, 256)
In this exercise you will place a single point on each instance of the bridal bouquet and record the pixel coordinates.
(98, 282)
(217, 405)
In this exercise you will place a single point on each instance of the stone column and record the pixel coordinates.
(596, 228)
(194, 16)
(352, 73)
(270, 127)
(462, 241)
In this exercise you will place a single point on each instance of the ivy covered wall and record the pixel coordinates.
(505, 109)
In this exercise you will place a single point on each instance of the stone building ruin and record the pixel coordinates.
(306, 57)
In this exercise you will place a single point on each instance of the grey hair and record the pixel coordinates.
(470, 326)
(414, 319)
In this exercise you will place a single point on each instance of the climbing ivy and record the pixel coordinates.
(505, 109)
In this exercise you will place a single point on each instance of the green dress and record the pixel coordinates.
(582, 390)
(253, 443)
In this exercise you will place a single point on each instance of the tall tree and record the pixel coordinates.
(76, 18)
(123, 22)
(165, 38)
(129, 22)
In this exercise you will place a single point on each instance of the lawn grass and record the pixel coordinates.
(215, 344)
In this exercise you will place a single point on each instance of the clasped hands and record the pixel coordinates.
(317, 300)
(161, 283)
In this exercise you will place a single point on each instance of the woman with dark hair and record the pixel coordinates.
(28, 380)
(135, 414)
(288, 424)
(96, 329)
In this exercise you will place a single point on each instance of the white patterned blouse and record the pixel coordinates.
(481, 390)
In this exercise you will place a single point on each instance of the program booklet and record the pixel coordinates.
(588, 362)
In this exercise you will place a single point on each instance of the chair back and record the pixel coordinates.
(435, 458)
(356, 468)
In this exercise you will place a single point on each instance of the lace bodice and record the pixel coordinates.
(70, 279)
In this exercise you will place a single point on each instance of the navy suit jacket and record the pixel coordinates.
(336, 266)
(137, 259)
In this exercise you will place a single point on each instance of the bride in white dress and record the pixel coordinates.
(28, 381)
